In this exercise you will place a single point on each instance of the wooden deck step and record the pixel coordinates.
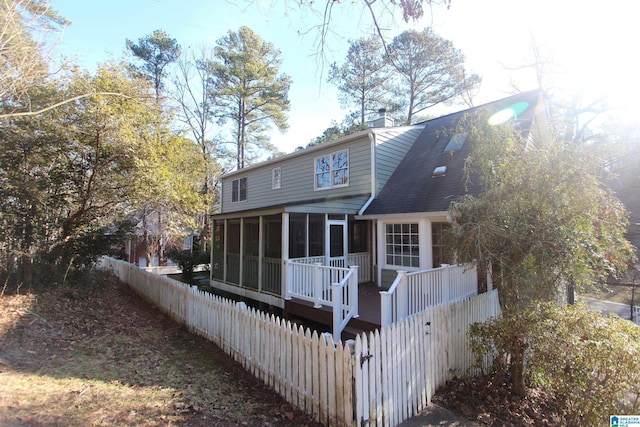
(321, 319)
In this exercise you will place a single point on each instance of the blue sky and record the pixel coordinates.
(594, 43)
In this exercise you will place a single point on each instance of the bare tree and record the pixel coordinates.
(193, 92)
(26, 27)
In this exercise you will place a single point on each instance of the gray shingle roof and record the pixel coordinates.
(412, 188)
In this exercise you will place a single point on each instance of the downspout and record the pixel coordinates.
(372, 138)
(374, 235)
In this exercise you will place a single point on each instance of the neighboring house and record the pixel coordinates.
(137, 248)
(377, 198)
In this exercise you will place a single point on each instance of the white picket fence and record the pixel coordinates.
(380, 379)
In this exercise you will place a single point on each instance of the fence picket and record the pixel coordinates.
(377, 351)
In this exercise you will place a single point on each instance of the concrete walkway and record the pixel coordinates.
(622, 310)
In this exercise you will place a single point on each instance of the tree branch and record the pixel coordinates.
(56, 105)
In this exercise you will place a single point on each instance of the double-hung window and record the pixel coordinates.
(239, 190)
(332, 170)
(276, 178)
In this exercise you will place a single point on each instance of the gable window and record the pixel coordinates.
(402, 246)
(239, 190)
(332, 170)
(276, 178)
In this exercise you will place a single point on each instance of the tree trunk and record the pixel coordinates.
(517, 368)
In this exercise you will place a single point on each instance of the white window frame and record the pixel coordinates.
(398, 233)
(236, 194)
(276, 178)
(332, 170)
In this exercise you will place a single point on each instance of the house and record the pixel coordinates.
(376, 199)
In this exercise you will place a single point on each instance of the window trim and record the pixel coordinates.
(276, 182)
(331, 170)
(236, 194)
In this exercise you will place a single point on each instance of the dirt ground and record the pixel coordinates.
(99, 355)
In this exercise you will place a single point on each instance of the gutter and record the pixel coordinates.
(366, 205)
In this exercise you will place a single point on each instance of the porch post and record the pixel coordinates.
(426, 244)
(225, 250)
(241, 266)
(284, 255)
(380, 261)
(260, 250)
(287, 277)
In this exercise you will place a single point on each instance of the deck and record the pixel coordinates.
(322, 318)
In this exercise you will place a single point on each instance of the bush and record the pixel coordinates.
(187, 261)
(588, 362)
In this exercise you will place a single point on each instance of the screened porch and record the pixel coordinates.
(249, 253)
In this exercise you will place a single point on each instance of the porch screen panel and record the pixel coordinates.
(233, 252)
(316, 235)
(297, 235)
(358, 237)
(217, 262)
(250, 260)
(272, 260)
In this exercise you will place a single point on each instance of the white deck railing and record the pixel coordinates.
(361, 259)
(412, 293)
(334, 287)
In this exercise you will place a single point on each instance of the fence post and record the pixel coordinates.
(317, 285)
(402, 297)
(446, 283)
(353, 289)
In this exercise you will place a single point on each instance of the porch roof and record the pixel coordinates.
(416, 187)
(348, 205)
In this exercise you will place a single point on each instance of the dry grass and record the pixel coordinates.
(101, 356)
